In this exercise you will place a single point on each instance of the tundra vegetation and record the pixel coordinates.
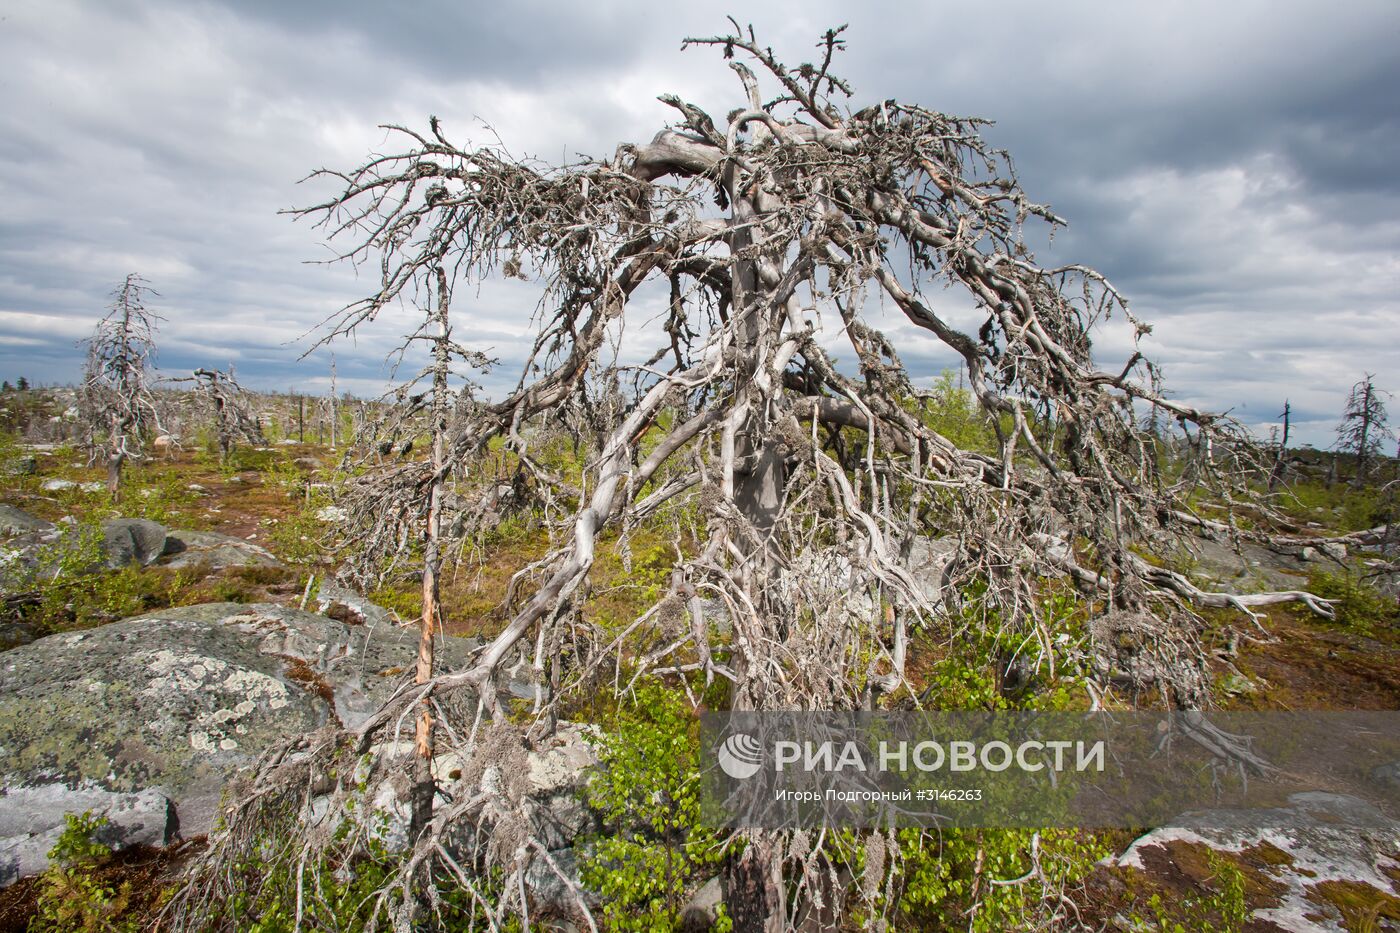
(732, 521)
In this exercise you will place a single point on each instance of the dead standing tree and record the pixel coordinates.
(1281, 451)
(790, 210)
(1363, 426)
(391, 506)
(223, 399)
(116, 398)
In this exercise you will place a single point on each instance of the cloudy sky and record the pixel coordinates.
(1233, 168)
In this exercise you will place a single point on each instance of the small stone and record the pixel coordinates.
(1237, 685)
(1335, 550)
(14, 634)
(1388, 775)
(701, 912)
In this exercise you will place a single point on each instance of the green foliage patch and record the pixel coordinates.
(72, 897)
(647, 791)
(1359, 606)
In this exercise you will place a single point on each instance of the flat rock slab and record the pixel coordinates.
(1255, 568)
(32, 819)
(1320, 841)
(15, 521)
(182, 698)
(213, 550)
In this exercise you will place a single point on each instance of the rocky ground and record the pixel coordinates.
(143, 715)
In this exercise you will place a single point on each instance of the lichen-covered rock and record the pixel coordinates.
(179, 699)
(331, 514)
(215, 551)
(59, 485)
(25, 538)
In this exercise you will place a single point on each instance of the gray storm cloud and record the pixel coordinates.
(1232, 169)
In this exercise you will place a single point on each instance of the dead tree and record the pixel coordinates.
(224, 402)
(116, 399)
(331, 405)
(1363, 426)
(790, 211)
(393, 503)
(1281, 453)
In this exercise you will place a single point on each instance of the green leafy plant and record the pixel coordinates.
(1223, 910)
(161, 497)
(976, 676)
(285, 474)
(1341, 507)
(72, 897)
(71, 588)
(346, 886)
(945, 878)
(954, 413)
(647, 791)
(302, 538)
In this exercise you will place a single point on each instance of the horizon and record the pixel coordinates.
(1232, 172)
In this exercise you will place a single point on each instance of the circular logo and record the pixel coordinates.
(740, 756)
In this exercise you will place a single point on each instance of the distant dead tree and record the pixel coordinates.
(1281, 451)
(225, 403)
(791, 210)
(116, 401)
(1363, 426)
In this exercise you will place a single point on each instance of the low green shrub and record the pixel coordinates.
(944, 878)
(647, 791)
(72, 898)
(1359, 605)
(1223, 910)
